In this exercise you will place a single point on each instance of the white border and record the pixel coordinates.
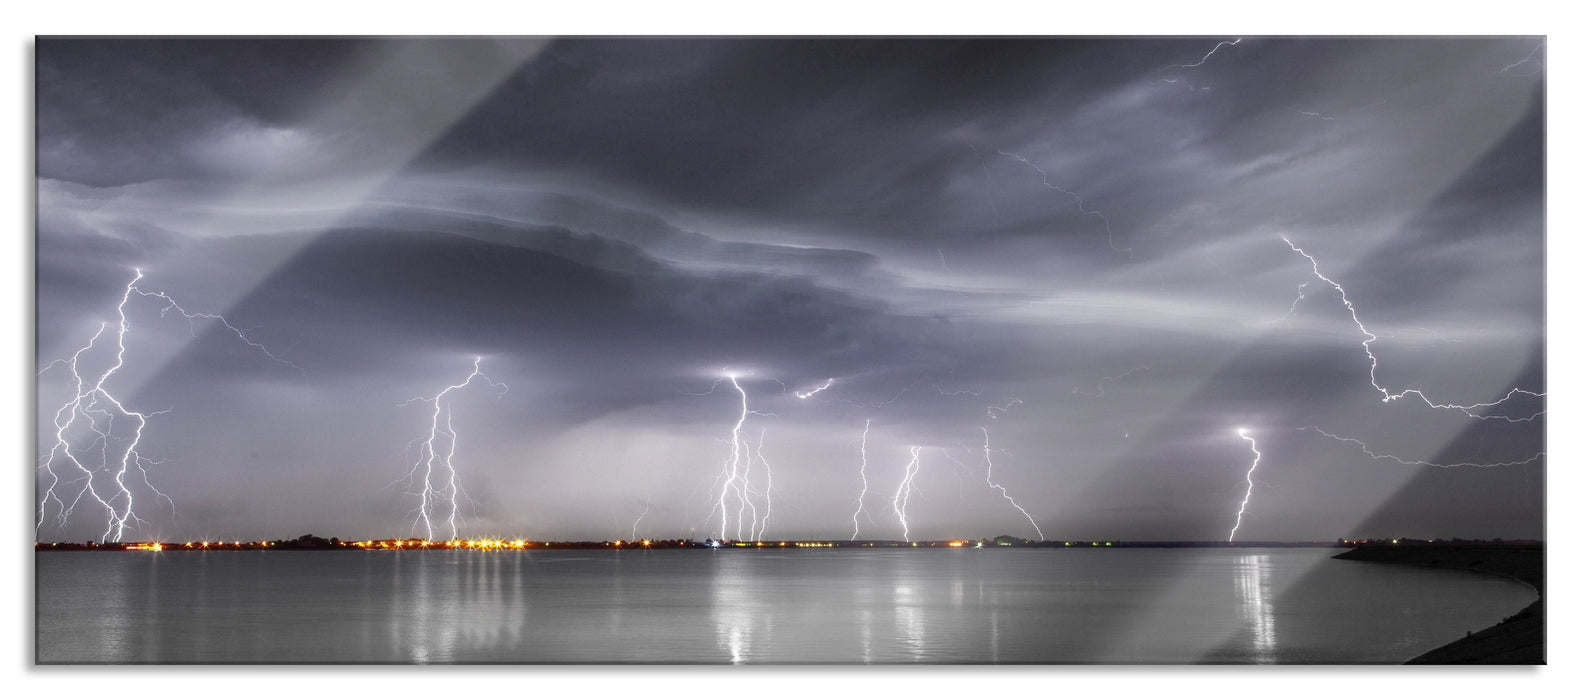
(848, 17)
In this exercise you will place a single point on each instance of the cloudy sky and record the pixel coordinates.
(1066, 272)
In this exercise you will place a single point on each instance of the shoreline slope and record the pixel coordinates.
(1519, 639)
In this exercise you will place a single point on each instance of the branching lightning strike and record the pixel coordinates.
(1098, 391)
(1316, 115)
(1256, 456)
(995, 411)
(827, 384)
(1181, 67)
(1206, 56)
(639, 519)
(431, 496)
(988, 476)
(862, 471)
(761, 525)
(735, 476)
(1082, 207)
(1301, 293)
(1421, 463)
(903, 493)
(1529, 57)
(85, 424)
(1472, 410)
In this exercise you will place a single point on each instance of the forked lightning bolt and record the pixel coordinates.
(1316, 115)
(437, 492)
(1098, 391)
(1421, 463)
(87, 437)
(735, 476)
(988, 476)
(1529, 57)
(995, 411)
(761, 525)
(805, 394)
(1082, 207)
(903, 493)
(862, 471)
(639, 519)
(1206, 56)
(735, 463)
(1182, 67)
(1473, 410)
(1256, 455)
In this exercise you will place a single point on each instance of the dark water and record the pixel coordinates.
(781, 606)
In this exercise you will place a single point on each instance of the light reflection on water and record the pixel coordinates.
(1252, 583)
(929, 606)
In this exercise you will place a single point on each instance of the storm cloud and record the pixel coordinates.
(1060, 258)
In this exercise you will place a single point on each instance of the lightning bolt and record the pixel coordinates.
(94, 409)
(827, 384)
(1081, 206)
(995, 411)
(1098, 391)
(903, 493)
(1316, 115)
(1373, 362)
(735, 478)
(1420, 463)
(762, 526)
(862, 471)
(1206, 56)
(639, 519)
(1182, 67)
(1529, 57)
(1301, 293)
(1256, 455)
(988, 476)
(745, 493)
(735, 461)
(438, 492)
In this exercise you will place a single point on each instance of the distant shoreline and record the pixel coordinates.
(312, 543)
(1518, 639)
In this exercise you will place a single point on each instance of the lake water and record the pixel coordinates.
(1006, 605)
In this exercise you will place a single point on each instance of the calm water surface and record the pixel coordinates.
(780, 606)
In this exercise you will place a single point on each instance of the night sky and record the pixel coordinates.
(1060, 257)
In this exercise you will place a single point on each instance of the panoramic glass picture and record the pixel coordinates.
(1184, 350)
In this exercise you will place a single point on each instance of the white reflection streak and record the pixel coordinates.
(994, 634)
(908, 625)
(490, 622)
(733, 620)
(1252, 585)
(867, 636)
(422, 612)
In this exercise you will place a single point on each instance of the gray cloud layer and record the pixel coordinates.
(1084, 233)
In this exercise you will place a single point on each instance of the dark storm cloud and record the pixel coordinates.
(754, 125)
(1067, 249)
(637, 325)
(113, 112)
